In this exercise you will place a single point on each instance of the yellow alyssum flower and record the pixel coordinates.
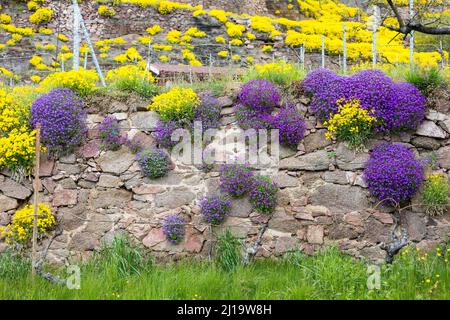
(130, 73)
(351, 123)
(105, 11)
(154, 30)
(178, 103)
(41, 15)
(82, 81)
(21, 227)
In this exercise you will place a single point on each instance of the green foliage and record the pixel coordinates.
(279, 72)
(121, 257)
(435, 194)
(228, 251)
(13, 265)
(139, 85)
(425, 80)
(328, 274)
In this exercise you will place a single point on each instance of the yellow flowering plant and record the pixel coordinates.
(81, 81)
(132, 78)
(278, 72)
(105, 11)
(176, 104)
(41, 15)
(435, 194)
(154, 30)
(21, 227)
(351, 123)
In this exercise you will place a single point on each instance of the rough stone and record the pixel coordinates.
(315, 161)
(84, 241)
(46, 166)
(416, 225)
(283, 222)
(90, 149)
(109, 181)
(426, 143)
(314, 234)
(148, 189)
(284, 180)
(354, 218)
(98, 224)
(110, 198)
(154, 237)
(383, 217)
(331, 196)
(143, 139)
(146, 120)
(68, 169)
(316, 141)
(175, 198)
(376, 232)
(193, 240)
(240, 207)
(13, 189)
(116, 162)
(240, 227)
(72, 218)
(65, 197)
(347, 159)
(443, 157)
(286, 244)
(430, 129)
(224, 102)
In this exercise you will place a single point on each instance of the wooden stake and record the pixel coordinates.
(35, 198)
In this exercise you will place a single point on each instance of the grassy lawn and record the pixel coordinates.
(123, 273)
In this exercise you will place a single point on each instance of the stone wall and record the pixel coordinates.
(322, 199)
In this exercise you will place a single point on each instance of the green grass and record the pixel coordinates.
(326, 275)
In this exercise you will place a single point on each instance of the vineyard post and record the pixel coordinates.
(411, 39)
(323, 51)
(76, 38)
(344, 58)
(36, 187)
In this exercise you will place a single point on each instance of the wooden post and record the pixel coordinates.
(35, 198)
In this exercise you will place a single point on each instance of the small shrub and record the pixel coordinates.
(110, 135)
(21, 227)
(81, 81)
(208, 111)
(163, 133)
(41, 15)
(228, 251)
(426, 81)
(435, 194)
(155, 163)
(131, 78)
(120, 256)
(280, 72)
(263, 194)
(398, 107)
(351, 123)
(62, 119)
(173, 228)
(259, 95)
(215, 208)
(393, 174)
(14, 266)
(176, 104)
(291, 126)
(235, 179)
(247, 118)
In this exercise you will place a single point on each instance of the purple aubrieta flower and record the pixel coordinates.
(235, 179)
(154, 163)
(110, 134)
(398, 107)
(173, 228)
(393, 173)
(263, 194)
(259, 95)
(291, 126)
(215, 208)
(63, 120)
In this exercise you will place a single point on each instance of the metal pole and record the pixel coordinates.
(76, 38)
(91, 47)
(411, 39)
(344, 58)
(374, 45)
(302, 55)
(149, 56)
(323, 51)
(85, 59)
(35, 199)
